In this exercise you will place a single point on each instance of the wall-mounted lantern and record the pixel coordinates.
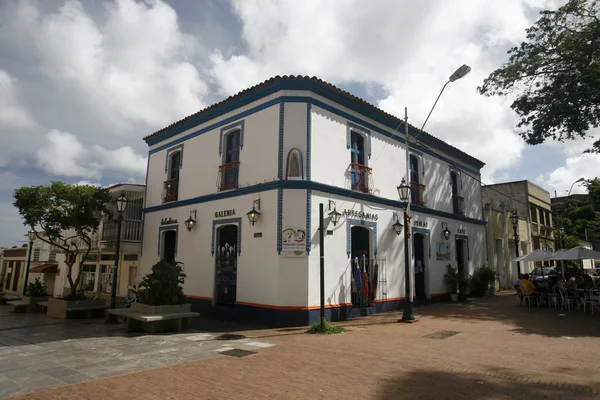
(334, 215)
(190, 223)
(254, 214)
(446, 232)
(397, 225)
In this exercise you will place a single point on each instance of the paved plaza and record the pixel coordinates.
(38, 352)
(489, 348)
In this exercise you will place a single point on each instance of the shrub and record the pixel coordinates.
(36, 289)
(452, 279)
(324, 328)
(163, 287)
(481, 280)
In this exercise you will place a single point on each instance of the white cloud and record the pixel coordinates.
(561, 179)
(13, 115)
(63, 154)
(411, 56)
(132, 68)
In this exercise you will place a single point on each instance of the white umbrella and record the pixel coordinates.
(536, 255)
(577, 253)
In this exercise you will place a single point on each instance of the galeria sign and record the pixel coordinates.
(224, 213)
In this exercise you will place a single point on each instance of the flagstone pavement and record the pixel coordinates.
(489, 348)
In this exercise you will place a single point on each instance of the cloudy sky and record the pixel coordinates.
(81, 82)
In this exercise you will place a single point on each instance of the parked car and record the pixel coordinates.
(540, 275)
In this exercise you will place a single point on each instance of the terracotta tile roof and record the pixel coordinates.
(320, 82)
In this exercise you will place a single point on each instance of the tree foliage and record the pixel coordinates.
(580, 219)
(68, 215)
(555, 74)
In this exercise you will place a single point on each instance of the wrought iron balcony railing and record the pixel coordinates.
(417, 193)
(360, 177)
(228, 176)
(170, 190)
(458, 204)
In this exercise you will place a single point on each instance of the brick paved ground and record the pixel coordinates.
(502, 351)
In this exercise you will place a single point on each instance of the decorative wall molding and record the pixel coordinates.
(227, 221)
(358, 222)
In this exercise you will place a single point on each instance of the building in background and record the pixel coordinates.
(97, 270)
(13, 261)
(535, 228)
(282, 148)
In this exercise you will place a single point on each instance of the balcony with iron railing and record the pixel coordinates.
(458, 205)
(227, 177)
(361, 178)
(417, 193)
(170, 190)
(131, 231)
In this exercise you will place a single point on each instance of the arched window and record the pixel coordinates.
(174, 165)
(295, 168)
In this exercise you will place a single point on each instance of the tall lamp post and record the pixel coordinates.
(31, 235)
(561, 242)
(514, 218)
(121, 205)
(408, 315)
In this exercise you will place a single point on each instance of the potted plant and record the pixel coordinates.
(36, 292)
(162, 290)
(464, 288)
(488, 278)
(452, 279)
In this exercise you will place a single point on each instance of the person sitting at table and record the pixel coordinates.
(571, 284)
(527, 287)
(588, 282)
(517, 284)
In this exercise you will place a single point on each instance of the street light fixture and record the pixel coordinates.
(334, 215)
(254, 214)
(397, 226)
(577, 181)
(190, 223)
(514, 219)
(446, 232)
(31, 235)
(121, 204)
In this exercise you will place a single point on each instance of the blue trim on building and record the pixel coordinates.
(170, 151)
(321, 90)
(164, 229)
(308, 220)
(226, 221)
(466, 239)
(308, 138)
(226, 129)
(424, 231)
(279, 219)
(306, 185)
(355, 222)
(280, 147)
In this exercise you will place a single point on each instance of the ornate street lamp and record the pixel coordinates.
(190, 223)
(121, 204)
(334, 215)
(408, 315)
(31, 235)
(403, 191)
(254, 214)
(514, 219)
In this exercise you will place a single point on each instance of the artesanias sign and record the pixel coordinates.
(360, 215)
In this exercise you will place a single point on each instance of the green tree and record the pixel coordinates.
(69, 216)
(555, 74)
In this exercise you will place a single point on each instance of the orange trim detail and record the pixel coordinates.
(302, 308)
(199, 297)
(390, 299)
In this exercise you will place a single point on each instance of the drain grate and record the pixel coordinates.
(229, 336)
(441, 335)
(239, 353)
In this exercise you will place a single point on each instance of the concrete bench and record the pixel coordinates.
(18, 306)
(154, 323)
(8, 297)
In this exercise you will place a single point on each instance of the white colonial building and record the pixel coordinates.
(281, 148)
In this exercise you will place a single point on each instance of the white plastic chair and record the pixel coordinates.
(554, 297)
(588, 299)
(566, 300)
(528, 298)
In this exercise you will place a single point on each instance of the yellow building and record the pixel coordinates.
(532, 206)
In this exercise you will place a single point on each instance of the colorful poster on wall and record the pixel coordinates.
(442, 252)
(293, 242)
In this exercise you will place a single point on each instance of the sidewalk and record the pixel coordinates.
(498, 350)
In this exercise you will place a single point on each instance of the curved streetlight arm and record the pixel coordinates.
(434, 104)
(577, 181)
